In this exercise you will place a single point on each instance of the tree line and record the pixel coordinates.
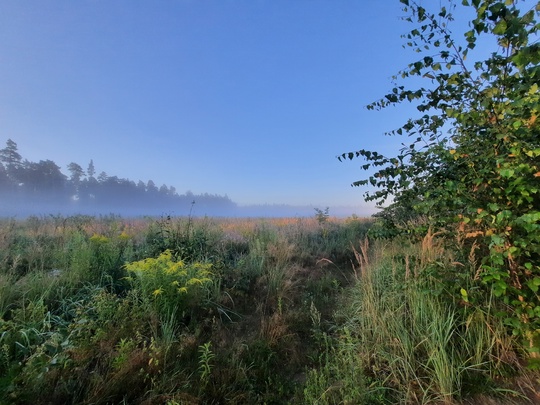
(30, 188)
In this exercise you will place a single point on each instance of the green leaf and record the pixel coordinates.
(507, 173)
(499, 288)
(500, 28)
(534, 284)
(496, 240)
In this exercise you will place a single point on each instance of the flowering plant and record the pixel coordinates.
(169, 283)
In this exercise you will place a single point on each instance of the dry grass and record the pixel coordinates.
(362, 258)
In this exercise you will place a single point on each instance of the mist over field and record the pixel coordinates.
(182, 206)
(195, 206)
(41, 188)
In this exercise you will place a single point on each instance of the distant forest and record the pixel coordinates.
(34, 188)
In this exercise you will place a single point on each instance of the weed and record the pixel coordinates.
(171, 285)
(105, 310)
(205, 363)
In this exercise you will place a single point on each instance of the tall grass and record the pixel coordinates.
(411, 342)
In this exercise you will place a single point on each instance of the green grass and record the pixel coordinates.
(294, 311)
(410, 342)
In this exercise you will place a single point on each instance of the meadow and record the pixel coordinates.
(107, 310)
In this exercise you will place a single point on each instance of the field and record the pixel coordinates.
(243, 311)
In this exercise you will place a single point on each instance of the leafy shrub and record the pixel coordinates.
(471, 164)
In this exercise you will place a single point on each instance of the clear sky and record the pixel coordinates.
(249, 98)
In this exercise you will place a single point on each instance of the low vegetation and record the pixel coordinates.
(404, 335)
(106, 310)
(202, 311)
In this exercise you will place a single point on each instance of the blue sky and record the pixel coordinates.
(249, 98)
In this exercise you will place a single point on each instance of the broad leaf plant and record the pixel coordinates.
(471, 162)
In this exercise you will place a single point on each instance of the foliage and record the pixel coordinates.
(11, 159)
(340, 376)
(38, 187)
(106, 258)
(397, 342)
(322, 215)
(263, 330)
(205, 363)
(472, 166)
(74, 330)
(172, 285)
(186, 239)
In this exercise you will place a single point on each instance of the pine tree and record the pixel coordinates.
(11, 159)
